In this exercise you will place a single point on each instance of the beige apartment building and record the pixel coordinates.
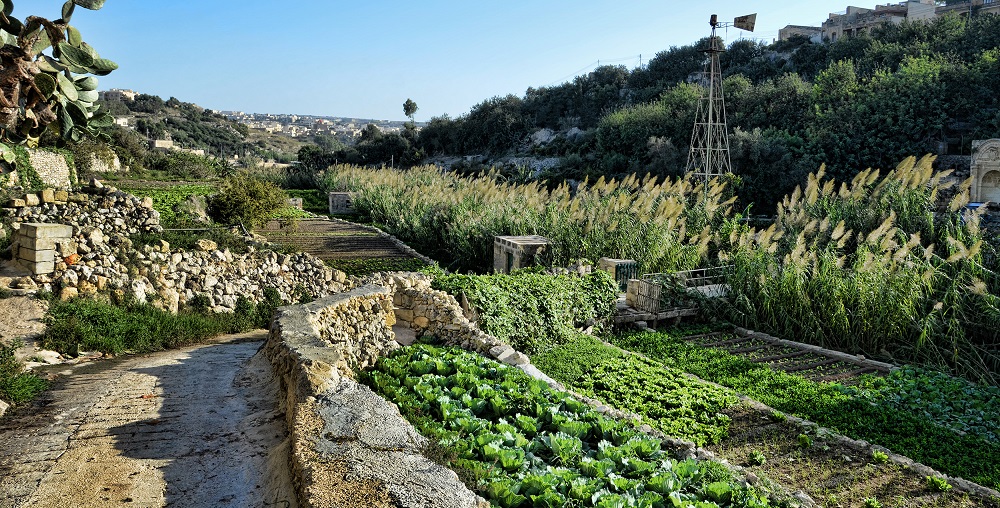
(858, 20)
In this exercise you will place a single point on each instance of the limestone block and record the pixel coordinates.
(68, 293)
(60, 196)
(36, 256)
(47, 196)
(40, 268)
(38, 243)
(39, 230)
(16, 203)
(206, 245)
(32, 199)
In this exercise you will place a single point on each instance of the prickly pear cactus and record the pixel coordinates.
(45, 80)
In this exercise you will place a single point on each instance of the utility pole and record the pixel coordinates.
(708, 156)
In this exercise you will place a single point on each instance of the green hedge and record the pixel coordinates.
(534, 311)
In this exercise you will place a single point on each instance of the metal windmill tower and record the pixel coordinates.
(709, 153)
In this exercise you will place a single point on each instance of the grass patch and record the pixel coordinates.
(672, 402)
(367, 266)
(908, 432)
(131, 327)
(17, 386)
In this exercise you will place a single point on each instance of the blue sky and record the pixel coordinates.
(365, 58)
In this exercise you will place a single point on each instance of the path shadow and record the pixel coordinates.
(216, 435)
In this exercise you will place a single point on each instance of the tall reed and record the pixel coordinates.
(875, 267)
(666, 226)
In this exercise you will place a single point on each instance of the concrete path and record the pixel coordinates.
(197, 426)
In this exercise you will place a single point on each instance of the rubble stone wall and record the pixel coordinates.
(103, 256)
(350, 447)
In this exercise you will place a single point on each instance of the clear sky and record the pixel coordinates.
(364, 58)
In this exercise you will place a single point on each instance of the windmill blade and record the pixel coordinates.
(746, 22)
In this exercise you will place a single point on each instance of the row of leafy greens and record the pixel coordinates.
(534, 446)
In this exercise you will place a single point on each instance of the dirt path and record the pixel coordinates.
(197, 426)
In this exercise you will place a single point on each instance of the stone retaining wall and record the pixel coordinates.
(350, 447)
(103, 257)
(52, 169)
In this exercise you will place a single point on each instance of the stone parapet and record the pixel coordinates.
(350, 447)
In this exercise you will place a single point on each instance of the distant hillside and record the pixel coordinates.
(192, 126)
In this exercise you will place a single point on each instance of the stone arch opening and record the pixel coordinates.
(990, 186)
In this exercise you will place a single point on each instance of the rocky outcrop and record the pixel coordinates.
(350, 447)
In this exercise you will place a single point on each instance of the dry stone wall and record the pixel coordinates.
(438, 314)
(350, 447)
(52, 169)
(102, 257)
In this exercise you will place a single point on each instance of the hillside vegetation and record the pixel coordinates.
(867, 101)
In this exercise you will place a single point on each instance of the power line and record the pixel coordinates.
(593, 65)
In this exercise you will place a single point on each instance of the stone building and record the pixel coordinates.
(813, 33)
(986, 171)
(858, 20)
(970, 7)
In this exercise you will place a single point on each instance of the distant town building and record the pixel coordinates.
(969, 7)
(813, 33)
(117, 94)
(858, 20)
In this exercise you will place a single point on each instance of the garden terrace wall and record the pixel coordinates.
(103, 258)
(349, 446)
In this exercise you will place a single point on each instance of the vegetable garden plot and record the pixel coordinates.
(944, 422)
(522, 444)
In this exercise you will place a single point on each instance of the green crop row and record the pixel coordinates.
(536, 447)
(949, 425)
(534, 311)
(672, 402)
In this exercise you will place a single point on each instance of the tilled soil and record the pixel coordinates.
(831, 473)
(198, 426)
(332, 240)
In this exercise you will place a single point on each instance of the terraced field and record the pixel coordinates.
(807, 363)
(328, 239)
(349, 247)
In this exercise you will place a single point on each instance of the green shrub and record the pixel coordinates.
(534, 311)
(17, 386)
(247, 200)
